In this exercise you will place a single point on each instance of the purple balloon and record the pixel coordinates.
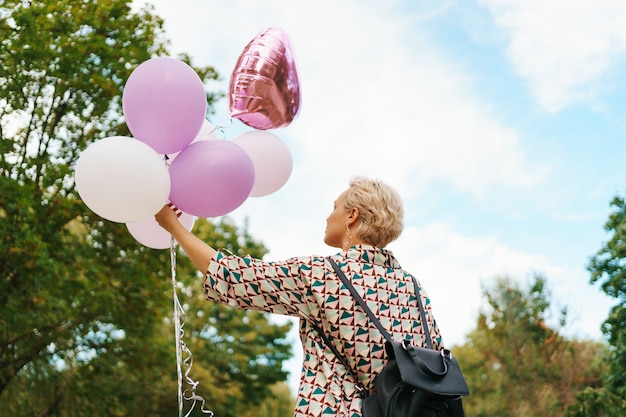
(211, 178)
(164, 104)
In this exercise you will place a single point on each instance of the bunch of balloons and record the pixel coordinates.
(175, 155)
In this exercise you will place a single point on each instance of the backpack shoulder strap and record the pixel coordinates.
(359, 386)
(359, 300)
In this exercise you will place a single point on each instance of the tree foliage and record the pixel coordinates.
(516, 363)
(85, 326)
(608, 267)
(279, 404)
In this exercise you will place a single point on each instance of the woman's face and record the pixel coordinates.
(336, 223)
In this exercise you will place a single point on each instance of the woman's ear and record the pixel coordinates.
(353, 216)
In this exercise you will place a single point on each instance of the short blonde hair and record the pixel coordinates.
(380, 210)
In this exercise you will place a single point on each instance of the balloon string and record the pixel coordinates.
(222, 128)
(188, 394)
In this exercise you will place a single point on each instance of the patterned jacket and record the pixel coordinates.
(308, 288)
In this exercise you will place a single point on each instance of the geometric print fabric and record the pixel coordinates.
(308, 288)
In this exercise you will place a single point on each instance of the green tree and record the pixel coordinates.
(516, 364)
(279, 404)
(596, 402)
(62, 67)
(85, 310)
(608, 267)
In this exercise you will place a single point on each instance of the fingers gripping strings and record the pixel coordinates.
(188, 394)
(175, 209)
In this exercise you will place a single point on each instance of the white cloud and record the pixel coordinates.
(563, 47)
(386, 104)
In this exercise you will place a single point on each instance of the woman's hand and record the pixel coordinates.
(199, 252)
(168, 216)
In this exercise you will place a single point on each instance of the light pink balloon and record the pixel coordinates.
(271, 159)
(164, 104)
(211, 178)
(150, 234)
(264, 90)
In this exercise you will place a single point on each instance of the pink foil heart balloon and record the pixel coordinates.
(264, 90)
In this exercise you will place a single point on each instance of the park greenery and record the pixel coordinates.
(86, 311)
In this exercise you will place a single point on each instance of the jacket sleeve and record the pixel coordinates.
(253, 284)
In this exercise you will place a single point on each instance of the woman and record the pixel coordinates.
(366, 217)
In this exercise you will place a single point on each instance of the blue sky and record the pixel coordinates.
(501, 123)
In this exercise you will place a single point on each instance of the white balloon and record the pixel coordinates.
(150, 234)
(122, 179)
(271, 159)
